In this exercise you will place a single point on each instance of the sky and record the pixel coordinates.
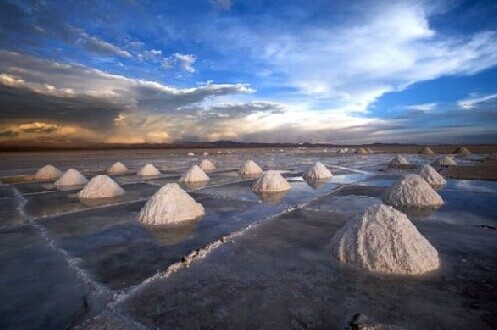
(335, 71)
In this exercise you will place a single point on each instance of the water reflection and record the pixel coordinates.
(173, 233)
(271, 197)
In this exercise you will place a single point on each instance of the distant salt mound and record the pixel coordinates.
(271, 181)
(398, 160)
(426, 151)
(117, 168)
(207, 165)
(48, 172)
(492, 156)
(370, 151)
(444, 161)
(148, 170)
(190, 154)
(383, 240)
(361, 151)
(317, 172)
(205, 154)
(412, 191)
(194, 174)
(71, 177)
(101, 186)
(341, 151)
(250, 168)
(432, 176)
(170, 204)
(462, 150)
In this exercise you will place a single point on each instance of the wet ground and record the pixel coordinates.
(253, 261)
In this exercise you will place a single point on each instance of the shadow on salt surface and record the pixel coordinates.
(58, 202)
(36, 187)
(38, 290)
(280, 275)
(122, 252)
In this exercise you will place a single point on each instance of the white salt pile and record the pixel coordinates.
(71, 177)
(361, 151)
(317, 172)
(194, 174)
(383, 240)
(399, 160)
(341, 151)
(191, 154)
(370, 151)
(412, 191)
(250, 168)
(170, 204)
(117, 168)
(101, 186)
(205, 154)
(431, 176)
(444, 161)
(207, 165)
(148, 170)
(271, 181)
(462, 150)
(48, 172)
(426, 151)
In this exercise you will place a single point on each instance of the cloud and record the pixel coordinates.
(185, 61)
(422, 108)
(476, 101)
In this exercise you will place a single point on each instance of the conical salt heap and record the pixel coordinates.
(361, 151)
(206, 165)
(148, 170)
(170, 204)
(383, 240)
(191, 154)
(444, 161)
(194, 174)
(250, 168)
(370, 151)
(205, 154)
(317, 172)
(101, 186)
(462, 150)
(426, 151)
(399, 160)
(48, 172)
(431, 176)
(412, 191)
(271, 181)
(117, 168)
(71, 177)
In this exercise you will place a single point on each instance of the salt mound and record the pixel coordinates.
(361, 151)
(48, 172)
(148, 170)
(250, 168)
(101, 186)
(117, 168)
(207, 165)
(444, 161)
(399, 160)
(271, 181)
(431, 176)
(194, 174)
(383, 240)
(426, 151)
(318, 172)
(412, 191)
(370, 151)
(191, 154)
(462, 150)
(205, 154)
(71, 177)
(170, 204)
(341, 151)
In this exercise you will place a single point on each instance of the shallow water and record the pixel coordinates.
(258, 261)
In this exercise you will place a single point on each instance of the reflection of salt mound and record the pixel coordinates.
(492, 157)
(383, 240)
(271, 197)
(361, 151)
(431, 176)
(117, 168)
(271, 181)
(194, 174)
(48, 172)
(194, 185)
(101, 186)
(71, 177)
(412, 191)
(318, 172)
(170, 204)
(462, 150)
(207, 165)
(148, 170)
(250, 168)
(426, 151)
(399, 160)
(444, 161)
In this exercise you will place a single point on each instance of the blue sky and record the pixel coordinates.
(283, 71)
